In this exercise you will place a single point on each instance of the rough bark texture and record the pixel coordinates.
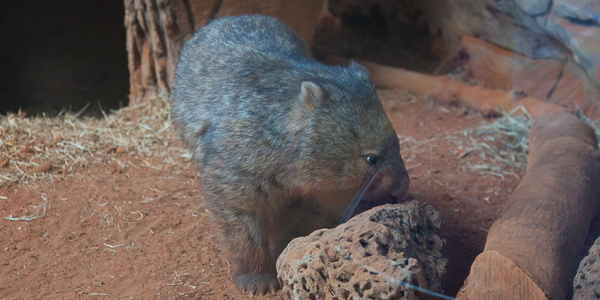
(586, 285)
(371, 256)
(544, 225)
(157, 29)
(495, 276)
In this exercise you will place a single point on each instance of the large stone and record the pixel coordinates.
(375, 255)
(498, 68)
(587, 281)
(587, 11)
(538, 39)
(534, 7)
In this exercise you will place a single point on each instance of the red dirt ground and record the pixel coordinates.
(138, 229)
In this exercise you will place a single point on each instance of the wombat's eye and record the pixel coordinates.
(371, 160)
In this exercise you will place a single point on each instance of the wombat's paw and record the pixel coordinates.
(257, 284)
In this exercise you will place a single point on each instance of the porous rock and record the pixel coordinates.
(587, 280)
(375, 255)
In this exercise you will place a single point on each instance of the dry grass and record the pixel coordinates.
(514, 132)
(498, 148)
(41, 147)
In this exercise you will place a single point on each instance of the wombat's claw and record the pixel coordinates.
(260, 284)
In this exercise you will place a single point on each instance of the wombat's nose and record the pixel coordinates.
(397, 180)
(394, 183)
(401, 187)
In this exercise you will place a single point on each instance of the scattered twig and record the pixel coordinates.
(71, 140)
(34, 215)
(114, 246)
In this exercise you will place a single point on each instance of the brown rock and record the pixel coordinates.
(120, 150)
(570, 89)
(26, 149)
(42, 168)
(371, 256)
(587, 281)
(498, 68)
(56, 139)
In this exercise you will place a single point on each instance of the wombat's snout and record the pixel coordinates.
(398, 184)
(402, 187)
(390, 184)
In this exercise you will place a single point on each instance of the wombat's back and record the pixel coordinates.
(233, 83)
(235, 86)
(231, 57)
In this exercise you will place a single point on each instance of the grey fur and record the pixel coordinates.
(279, 138)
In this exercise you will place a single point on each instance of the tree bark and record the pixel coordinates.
(157, 29)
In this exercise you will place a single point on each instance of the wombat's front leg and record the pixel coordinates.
(247, 243)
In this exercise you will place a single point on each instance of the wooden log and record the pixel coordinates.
(156, 30)
(536, 242)
(443, 88)
(492, 276)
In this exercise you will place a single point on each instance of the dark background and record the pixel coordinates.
(62, 55)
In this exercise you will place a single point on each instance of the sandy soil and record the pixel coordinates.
(135, 228)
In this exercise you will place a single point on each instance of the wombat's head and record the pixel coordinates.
(346, 136)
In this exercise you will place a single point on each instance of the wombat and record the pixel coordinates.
(283, 143)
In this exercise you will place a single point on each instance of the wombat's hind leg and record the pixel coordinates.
(257, 284)
(254, 265)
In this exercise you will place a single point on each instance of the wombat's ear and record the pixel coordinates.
(311, 95)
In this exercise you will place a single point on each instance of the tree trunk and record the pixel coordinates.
(156, 30)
